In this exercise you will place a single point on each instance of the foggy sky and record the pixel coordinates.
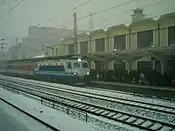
(58, 13)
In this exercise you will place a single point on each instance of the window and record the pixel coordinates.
(85, 65)
(76, 65)
(145, 39)
(120, 42)
(100, 44)
(69, 66)
(171, 35)
(84, 48)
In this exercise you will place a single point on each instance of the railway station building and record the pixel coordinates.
(144, 45)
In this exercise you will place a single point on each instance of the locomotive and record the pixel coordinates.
(71, 70)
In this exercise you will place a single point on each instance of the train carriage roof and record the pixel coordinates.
(49, 58)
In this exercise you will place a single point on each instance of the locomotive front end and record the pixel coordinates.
(82, 71)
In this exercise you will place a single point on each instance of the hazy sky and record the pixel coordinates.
(58, 13)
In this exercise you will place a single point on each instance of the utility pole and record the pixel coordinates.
(75, 34)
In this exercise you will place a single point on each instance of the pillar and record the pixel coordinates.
(110, 65)
(163, 64)
(107, 43)
(154, 65)
(92, 65)
(131, 65)
(155, 38)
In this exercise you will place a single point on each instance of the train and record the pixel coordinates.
(70, 70)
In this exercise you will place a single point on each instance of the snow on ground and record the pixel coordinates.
(60, 119)
(110, 93)
(49, 115)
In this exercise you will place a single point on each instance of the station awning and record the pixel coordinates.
(133, 54)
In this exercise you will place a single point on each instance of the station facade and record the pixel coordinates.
(143, 45)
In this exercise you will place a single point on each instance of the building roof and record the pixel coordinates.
(166, 16)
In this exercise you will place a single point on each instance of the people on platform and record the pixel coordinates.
(136, 77)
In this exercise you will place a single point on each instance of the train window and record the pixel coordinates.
(76, 65)
(85, 65)
(69, 66)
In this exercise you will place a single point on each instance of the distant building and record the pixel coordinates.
(12, 53)
(40, 37)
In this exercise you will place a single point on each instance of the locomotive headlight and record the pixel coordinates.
(79, 60)
(75, 73)
(87, 73)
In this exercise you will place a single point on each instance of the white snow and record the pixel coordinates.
(60, 119)
(39, 56)
(24, 120)
(56, 118)
(121, 126)
(119, 107)
(115, 94)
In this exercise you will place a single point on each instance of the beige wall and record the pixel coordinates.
(136, 27)
(164, 36)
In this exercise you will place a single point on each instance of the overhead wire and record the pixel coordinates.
(153, 17)
(107, 9)
(119, 5)
(83, 4)
(12, 8)
(76, 7)
(143, 6)
(122, 14)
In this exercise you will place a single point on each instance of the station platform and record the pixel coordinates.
(9, 123)
(136, 88)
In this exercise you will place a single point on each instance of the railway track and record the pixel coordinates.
(132, 97)
(138, 114)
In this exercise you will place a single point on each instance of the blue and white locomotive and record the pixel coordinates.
(71, 70)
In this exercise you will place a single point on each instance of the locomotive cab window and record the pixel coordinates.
(85, 65)
(76, 65)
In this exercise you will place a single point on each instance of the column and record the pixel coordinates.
(93, 49)
(110, 65)
(111, 44)
(155, 38)
(134, 41)
(154, 65)
(131, 64)
(107, 42)
(163, 64)
(89, 45)
(92, 65)
(127, 41)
